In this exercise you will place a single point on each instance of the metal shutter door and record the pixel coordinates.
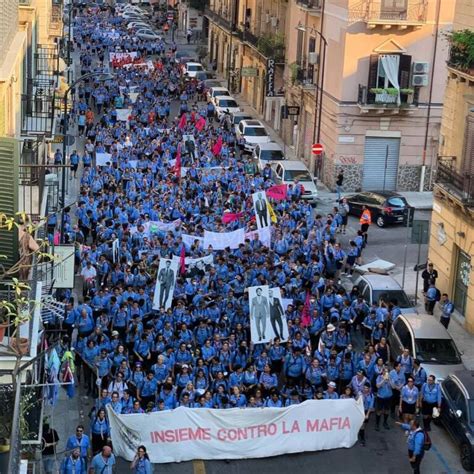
(381, 157)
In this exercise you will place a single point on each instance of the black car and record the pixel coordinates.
(457, 413)
(386, 207)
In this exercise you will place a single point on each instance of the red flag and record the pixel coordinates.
(177, 164)
(182, 261)
(200, 124)
(182, 122)
(231, 217)
(216, 149)
(277, 192)
(306, 314)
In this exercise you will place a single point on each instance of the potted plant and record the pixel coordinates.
(406, 95)
(294, 69)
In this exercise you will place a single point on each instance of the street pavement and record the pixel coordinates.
(385, 451)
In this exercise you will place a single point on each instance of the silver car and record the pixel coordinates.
(374, 287)
(428, 341)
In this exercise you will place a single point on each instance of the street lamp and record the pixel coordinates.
(105, 76)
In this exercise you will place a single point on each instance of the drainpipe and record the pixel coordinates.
(428, 113)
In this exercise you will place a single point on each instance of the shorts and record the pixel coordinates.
(382, 404)
(427, 408)
(74, 167)
(408, 408)
(344, 220)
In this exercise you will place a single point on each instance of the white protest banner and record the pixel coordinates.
(123, 114)
(123, 56)
(264, 235)
(222, 240)
(101, 159)
(196, 267)
(189, 240)
(133, 96)
(184, 434)
(115, 250)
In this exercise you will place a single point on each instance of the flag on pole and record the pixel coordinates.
(182, 261)
(216, 149)
(277, 192)
(273, 216)
(306, 314)
(182, 122)
(200, 124)
(177, 164)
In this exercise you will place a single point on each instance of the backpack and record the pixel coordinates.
(426, 441)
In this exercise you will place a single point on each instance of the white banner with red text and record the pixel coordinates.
(184, 434)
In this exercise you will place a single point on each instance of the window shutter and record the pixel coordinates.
(404, 71)
(468, 149)
(9, 159)
(373, 70)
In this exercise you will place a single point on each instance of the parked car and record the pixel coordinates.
(428, 341)
(265, 153)
(182, 57)
(287, 171)
(216, 91)
(226, 104)
(387, 207)
(373, 287)
(457, 413)
(208, 83)
(252, 132)
(146, 33)
(191, 69)
(237, 117)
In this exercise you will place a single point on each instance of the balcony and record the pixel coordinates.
(382, 99)
(388, 14)
(312, 7)
(459, 185)
(47, 63)
(220, 18)
(38, 111)
(268, 45)
(461, 53)
(55, 24)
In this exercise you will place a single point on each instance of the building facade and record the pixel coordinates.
(452, 229)
(383, 61)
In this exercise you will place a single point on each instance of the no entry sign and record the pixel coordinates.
(317, 149)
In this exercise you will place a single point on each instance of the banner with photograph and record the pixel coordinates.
(101, 159)
(190, 240)
(165, 283)
(155, 227)
(264, 235)
(197, 267)
(185, 434)
(260, 328)
(115, 250)
(262, 212)
(278, 322)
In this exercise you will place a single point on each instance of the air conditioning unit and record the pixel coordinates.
(419, 80)
(420, 67)
(313, 58)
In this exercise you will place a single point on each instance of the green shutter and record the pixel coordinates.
(9, 159)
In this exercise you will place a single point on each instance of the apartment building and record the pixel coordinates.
(377, 65)
(29, 67)
(452, 228)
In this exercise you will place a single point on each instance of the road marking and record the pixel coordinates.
(441, 459)
(199, 467)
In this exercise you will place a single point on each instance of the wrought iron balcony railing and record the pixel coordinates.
(221, 18)
(38, 109)
(387, 12)
(386, 99)
(460, 185)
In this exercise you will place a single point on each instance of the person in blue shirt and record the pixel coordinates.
(100, 430)
(237, 399)
(147, 390)
(397, 381)
(103, 462)
(330, 393)
(415, 442)
(419, 374)
(431, 297)
(384, 399)
(73, 463)
(81, 441)
(368, 399)
(274, 400)
(430, 397)
(141, 462)
(408, 400)
(447, 309)
(294, 366)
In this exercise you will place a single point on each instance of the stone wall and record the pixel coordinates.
(409, 178)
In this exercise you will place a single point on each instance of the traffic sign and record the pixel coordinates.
(317, 149)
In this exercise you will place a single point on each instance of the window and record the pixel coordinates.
(228, 103)
(394, 9)
(457, 397)
(468, 149)
(255, 132)
(271, 155)
(389, 70)
(389, 295)
(300, 175)
(437, 351)
(299, 47)
(404, 335)
(396, 202)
